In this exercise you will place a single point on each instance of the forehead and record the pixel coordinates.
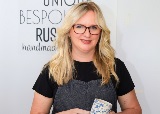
(87, 19)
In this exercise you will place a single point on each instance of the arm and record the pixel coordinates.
(74, 111)
(129, 104)
(41, 104)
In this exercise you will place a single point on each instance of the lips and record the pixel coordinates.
(86, 41)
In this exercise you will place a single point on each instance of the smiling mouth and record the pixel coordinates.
(86, 41)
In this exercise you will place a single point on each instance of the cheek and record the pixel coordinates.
(73, 35)
(97, 38)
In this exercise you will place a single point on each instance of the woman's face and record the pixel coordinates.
(82, 38)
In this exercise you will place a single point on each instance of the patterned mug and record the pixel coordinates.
(100, 107)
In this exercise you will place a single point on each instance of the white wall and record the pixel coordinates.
(138, 38)
(20, 68)
(135, 34)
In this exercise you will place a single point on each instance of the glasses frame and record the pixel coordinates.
(86, 29)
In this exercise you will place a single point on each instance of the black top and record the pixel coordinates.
(85, 71)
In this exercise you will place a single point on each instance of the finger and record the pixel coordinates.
(112, 112)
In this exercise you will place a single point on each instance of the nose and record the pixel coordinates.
(87, 33)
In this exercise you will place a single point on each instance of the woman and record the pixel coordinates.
(84, 68)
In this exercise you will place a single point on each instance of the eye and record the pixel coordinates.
(79, 26)
(94, 27)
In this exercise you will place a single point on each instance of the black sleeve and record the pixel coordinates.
(44, 85)
(126, 84)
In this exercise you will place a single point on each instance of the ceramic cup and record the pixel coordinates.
(100, 107)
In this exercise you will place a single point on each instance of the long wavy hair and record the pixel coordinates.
(61, 66)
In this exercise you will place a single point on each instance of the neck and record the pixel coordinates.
(83, 56)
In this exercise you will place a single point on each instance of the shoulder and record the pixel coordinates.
(44, 84)
(120, 67)
(118, 62)
(46, 73)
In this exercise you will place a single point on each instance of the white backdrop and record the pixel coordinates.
(135, 35)
(27, 28)
(138, 37)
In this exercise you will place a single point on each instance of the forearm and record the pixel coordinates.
(38, 112)
(131, 111)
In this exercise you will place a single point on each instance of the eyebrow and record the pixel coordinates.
(85, 25)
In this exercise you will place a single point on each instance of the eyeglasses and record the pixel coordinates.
(80, 29)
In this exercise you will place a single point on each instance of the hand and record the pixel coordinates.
(74, 111)
(112, 112)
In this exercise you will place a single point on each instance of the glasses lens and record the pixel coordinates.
(79, 29)
(94, 29)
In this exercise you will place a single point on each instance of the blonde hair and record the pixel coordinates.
(61, 66)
